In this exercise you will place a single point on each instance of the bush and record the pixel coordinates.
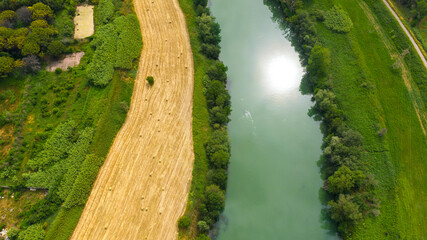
(338, 20)
(84, 181)
(345, 212)
(55, 148)
(202, 226)
(218, 177)
(129, 42)
(12, 233)
(101, 68)
(184, 222)
(34, 232)
(41, 11)
(150, 80)
(214, 201)
(105, 11)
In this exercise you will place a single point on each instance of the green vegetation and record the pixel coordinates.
(337, 20)
(61, 124)
(414, 15)
(361, 87)
(184, 222)
(150, 80)
(116, 46)
(210, 117)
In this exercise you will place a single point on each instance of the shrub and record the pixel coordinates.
(55, 148)
(214, 201)
(218, 177)
(34, 232)
(77, 155)
(184, 222)
(12, 233)
(338, 20)
(220, 159)
(150, 80)
(101, 68)
(31, 63)
(105, 10)
(129, 42)
(345, 212)
(58, 71)
(202, 226)
(341, 181)
(55, 48)
(41, 11)
(84, 181)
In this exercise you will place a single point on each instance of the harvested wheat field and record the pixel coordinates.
(141, 190)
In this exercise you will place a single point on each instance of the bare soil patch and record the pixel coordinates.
(70, 60)
(142, 188)
(83, 22)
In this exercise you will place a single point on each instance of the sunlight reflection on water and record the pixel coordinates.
(279, 74)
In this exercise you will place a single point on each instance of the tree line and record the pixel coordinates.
(418, 9)
(219, 107)
(346, 180)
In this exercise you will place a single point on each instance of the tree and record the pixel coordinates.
(184, 222)
(293, 5)
(214, 201)
(23, 15)
(105, 10)
(33, 232)
(217, 71)
(202, 226)
(318, 63)
(220, 159)
(7, 18)
(341, 181)
(7, 64)
(218, 177)
(55, 48)
(31, 63)
(344, 211)
(211, 50)
(150, 80)
(30, 47)
(41, 11)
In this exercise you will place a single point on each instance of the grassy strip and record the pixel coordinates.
(201, 127)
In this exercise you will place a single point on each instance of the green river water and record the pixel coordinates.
(274, 186)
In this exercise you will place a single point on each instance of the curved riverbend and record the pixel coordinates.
(274, 181)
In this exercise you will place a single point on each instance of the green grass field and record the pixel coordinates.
(373, 95)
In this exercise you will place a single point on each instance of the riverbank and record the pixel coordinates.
(379, 83)
(209, 134)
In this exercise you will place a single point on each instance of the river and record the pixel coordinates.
(274, 184)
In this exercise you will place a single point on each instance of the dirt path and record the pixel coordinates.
(406, 32)
(141, 190)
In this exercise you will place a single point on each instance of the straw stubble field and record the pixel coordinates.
(141, 190)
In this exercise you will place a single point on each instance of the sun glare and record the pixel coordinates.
(281, 75)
